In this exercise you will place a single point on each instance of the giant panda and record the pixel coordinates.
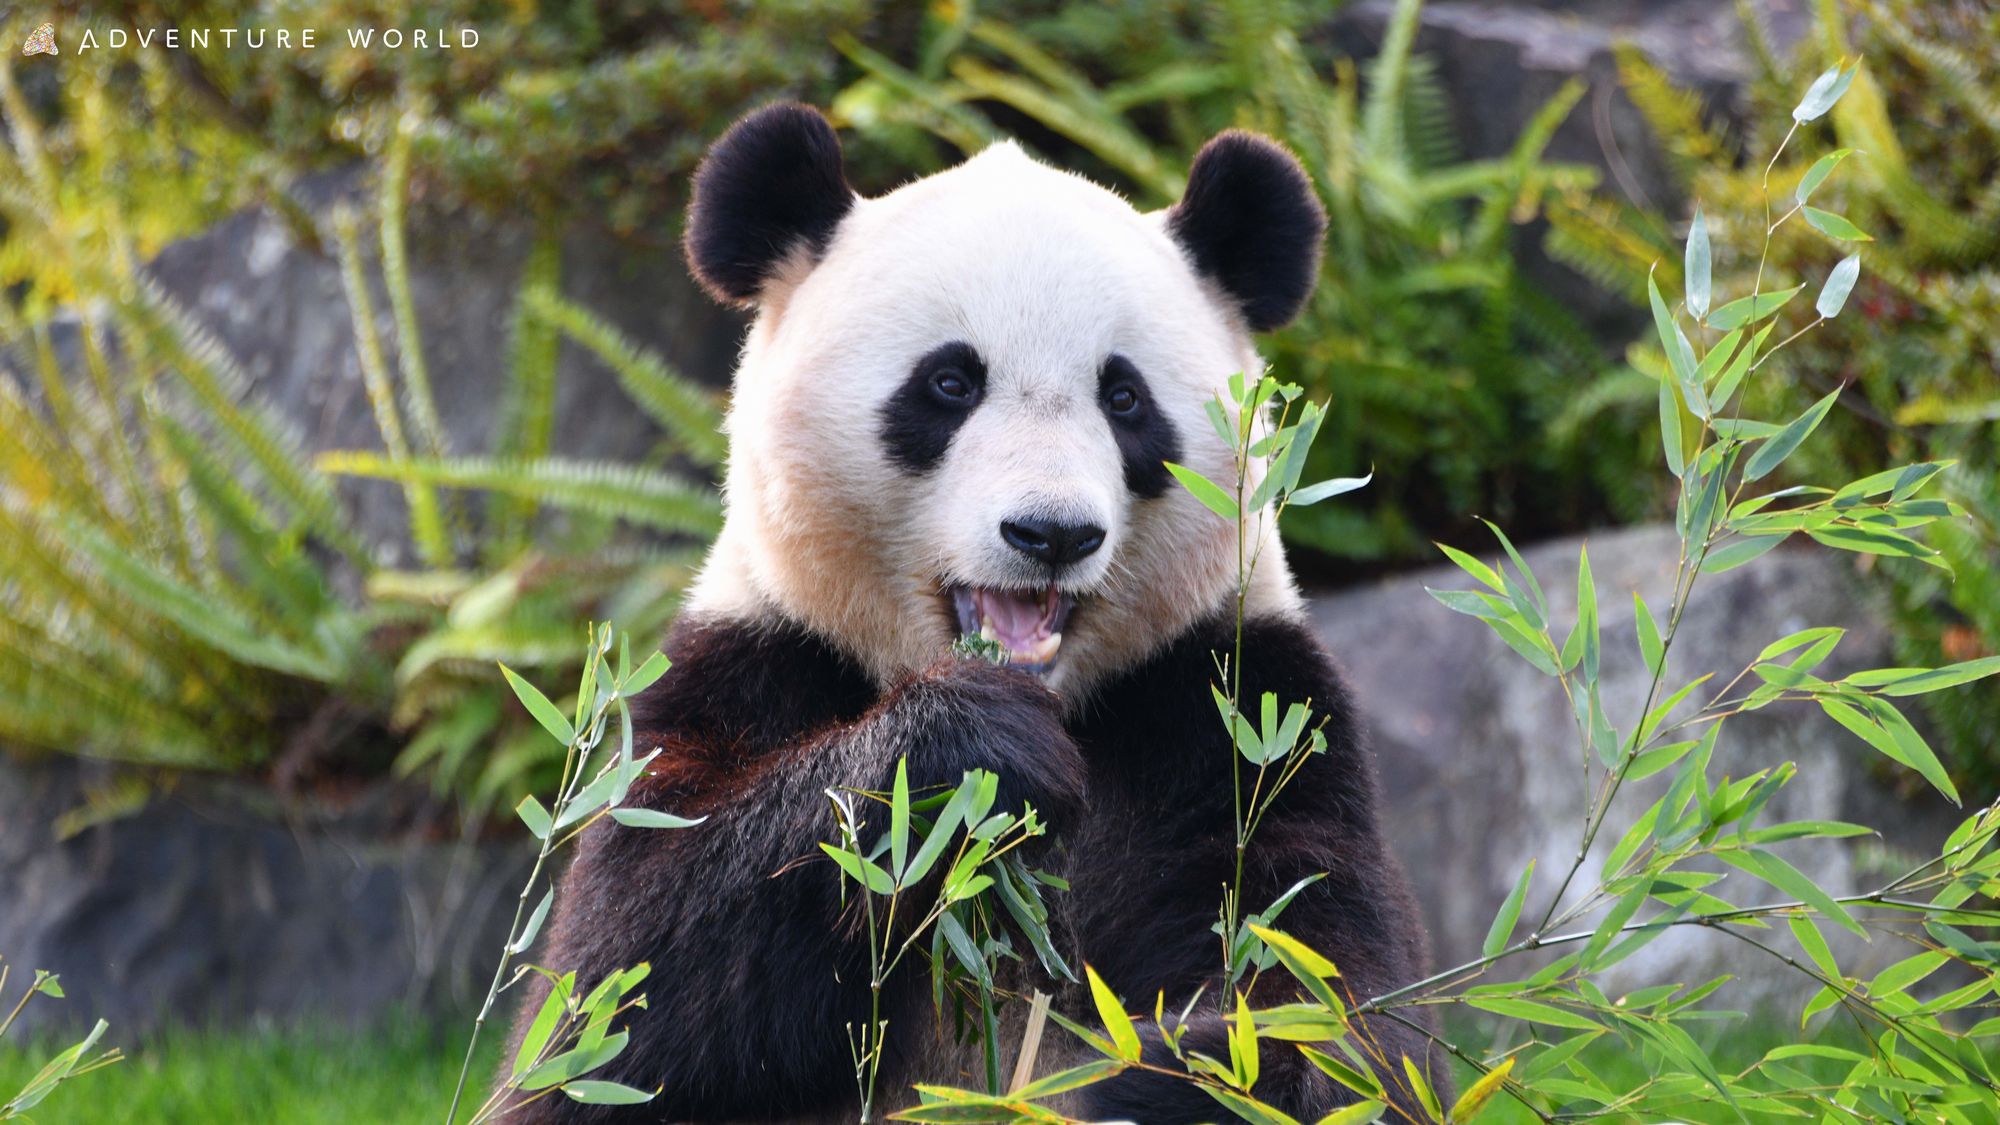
(952, 414)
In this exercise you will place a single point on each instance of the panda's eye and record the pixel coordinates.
(1123, 400)
(951, 385)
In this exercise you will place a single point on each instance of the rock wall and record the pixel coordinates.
(215, 905)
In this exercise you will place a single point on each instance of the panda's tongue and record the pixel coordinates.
(1024, 621)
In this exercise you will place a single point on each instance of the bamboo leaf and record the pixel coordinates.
(1205, 490)
(1817, 174)
(1651, 647)
(1696, 270)
(1479, 1093)
(538, 705)
(653, 818)
(1780, 445)
(534, 816)
(1825, 90)
(1751, 309)
(1680, 355)
(534, 926)
(1510, 913)
(1335, 486)
(596, 1092)
(1839, 283)
(899, 820)
(1116, 1022)
(1834, 226)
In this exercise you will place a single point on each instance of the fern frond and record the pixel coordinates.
(528, 402)
(907, 98)
(527, 420)
(417, 396)
(158, 325)
(478, 648)
(435, 588)
(1382, 112)
(628, 492)
(445, 740)
(1673, 114)
(1103, 134)
(44, 566)
(98, 720)
(682, 407)
(35, 463)
(1428, 135)
(196, 613)
(1611, 243)
(270, 558)
(1524, 195)
(73, 699)
(139, 499)
(426, 521)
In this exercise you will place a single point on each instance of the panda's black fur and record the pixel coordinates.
(1146, 439)
(757, 974)
(773, 184)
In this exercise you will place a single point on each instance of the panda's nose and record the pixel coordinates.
(1047, 541)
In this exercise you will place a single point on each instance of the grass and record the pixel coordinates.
(400, 1072)
(403, 1071)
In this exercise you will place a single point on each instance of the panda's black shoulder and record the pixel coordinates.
(753, 683)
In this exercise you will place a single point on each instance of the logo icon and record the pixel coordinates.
(41, 41)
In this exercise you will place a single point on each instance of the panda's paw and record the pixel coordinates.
(969, 713)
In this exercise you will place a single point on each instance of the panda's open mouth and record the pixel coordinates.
(1027, 623)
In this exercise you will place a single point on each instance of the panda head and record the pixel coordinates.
(954, 408)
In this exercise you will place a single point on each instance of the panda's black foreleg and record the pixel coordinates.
(756, 980)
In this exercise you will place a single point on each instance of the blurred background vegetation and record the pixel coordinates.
(185, 587)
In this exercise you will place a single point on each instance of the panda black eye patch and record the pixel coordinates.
(942, 390)
(1146, 439)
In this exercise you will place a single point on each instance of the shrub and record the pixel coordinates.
(178, 589)
(1918, 354)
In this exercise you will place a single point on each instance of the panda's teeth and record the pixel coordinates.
(1043, 652)
(986, 632)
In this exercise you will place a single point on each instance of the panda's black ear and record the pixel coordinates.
(772, 184)
(1252, 224)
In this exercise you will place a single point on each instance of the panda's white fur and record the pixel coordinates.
(1045, 274)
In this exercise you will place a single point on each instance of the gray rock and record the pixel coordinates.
(209, 905)
(1482, 769)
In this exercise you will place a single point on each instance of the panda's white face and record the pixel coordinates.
(955, 418)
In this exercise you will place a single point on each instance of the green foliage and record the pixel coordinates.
(69, 1063)
(1923, 1045)
(563, 107)
(183, 588)
(1434, 352)
(1915, 360)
